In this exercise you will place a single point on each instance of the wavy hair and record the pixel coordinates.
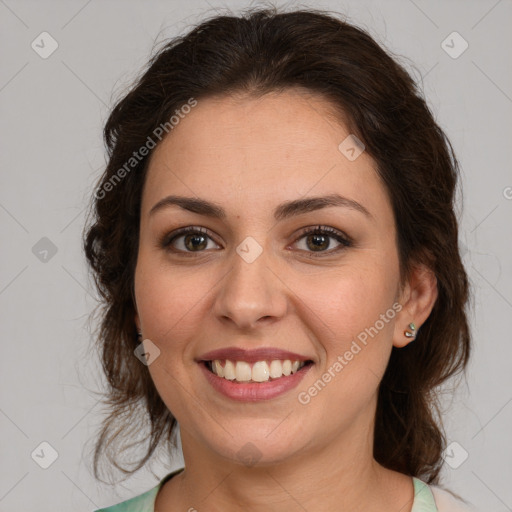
(261, 51)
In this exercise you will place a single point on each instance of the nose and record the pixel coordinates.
(251, 294)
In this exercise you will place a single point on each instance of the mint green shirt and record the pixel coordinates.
(423, 498)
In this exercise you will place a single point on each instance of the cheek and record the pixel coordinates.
(169, 300)
(351, 301)
(354, 326)
(352, 316)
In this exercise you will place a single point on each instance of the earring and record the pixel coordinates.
(139, 335)
(412, 332)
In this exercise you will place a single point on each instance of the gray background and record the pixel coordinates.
(52, 112)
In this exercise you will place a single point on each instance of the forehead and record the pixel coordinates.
(255, 152)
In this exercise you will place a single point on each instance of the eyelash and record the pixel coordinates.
(344, 240)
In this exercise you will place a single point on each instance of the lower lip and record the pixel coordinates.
(253, 392)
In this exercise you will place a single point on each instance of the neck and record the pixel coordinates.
(332, 475)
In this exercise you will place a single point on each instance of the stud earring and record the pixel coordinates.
(412, 332)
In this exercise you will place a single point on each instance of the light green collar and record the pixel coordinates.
(423, 497)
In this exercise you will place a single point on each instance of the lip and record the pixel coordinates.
(256, 391)
(252, 355)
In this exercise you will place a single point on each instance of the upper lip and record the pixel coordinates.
(252, 355)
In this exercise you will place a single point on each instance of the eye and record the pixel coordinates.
(318, 239)
(195, 239)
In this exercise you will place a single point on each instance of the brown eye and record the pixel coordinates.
(317, 240)
(187, 240)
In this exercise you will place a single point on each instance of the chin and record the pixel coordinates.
(261, 446)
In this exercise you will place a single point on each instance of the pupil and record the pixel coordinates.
(194, 239)
(316, 237)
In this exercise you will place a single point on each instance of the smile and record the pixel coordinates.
(276, 377)
(259, 371)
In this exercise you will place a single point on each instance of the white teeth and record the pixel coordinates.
(276, 369)
(229, 370)
(261, 371)
(243, 371)
(217, 368)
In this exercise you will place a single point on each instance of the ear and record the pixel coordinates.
(417, 299)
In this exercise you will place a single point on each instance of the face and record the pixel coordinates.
(259, 276)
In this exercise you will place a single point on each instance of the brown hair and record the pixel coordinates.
(262, 51)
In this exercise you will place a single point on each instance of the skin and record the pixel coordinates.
(249, 155)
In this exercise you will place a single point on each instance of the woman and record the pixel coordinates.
(275, 242)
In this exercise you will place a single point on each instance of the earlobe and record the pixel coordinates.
(419, 298)
(411, 334)
(405, 333)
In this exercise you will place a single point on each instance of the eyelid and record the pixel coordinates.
(168, 238)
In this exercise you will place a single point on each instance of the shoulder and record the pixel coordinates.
(141, 503)
(144, 502)
(447, 502)
(433, 498)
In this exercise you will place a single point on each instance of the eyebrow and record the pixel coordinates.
(283, 211)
